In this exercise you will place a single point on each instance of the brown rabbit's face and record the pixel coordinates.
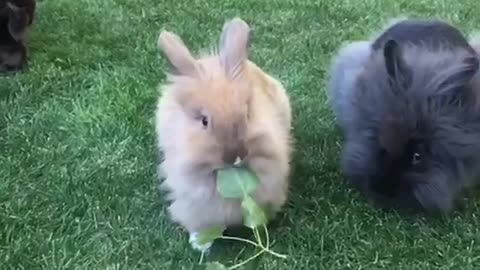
(217, 110)
(225, 116)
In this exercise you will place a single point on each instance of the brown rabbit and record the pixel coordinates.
(216, 110)
(15, 17)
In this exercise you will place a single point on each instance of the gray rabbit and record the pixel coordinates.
(406, 103)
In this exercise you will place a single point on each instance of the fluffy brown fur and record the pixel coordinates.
(15, 18)
(214, 110)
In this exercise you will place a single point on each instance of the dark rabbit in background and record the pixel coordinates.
(406, 103)
(15, 17)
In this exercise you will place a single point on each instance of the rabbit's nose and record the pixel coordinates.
(233, 155)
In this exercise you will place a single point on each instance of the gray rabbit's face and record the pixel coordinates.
(414, 169)
(415, 134)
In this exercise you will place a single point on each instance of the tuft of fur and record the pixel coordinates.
(214, 109)
(475, 43)
(15, 18)
(407, 105)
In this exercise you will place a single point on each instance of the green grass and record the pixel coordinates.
(78, 186)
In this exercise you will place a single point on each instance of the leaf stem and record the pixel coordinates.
(240, 239)
(282, 256)
(256, 233)
(247, 260)
(201, 257)
(264, 249)
(266, 236)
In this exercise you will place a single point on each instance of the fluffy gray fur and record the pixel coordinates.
(407, 109)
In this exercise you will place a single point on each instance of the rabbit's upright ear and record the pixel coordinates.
(177, 54)
(234, 44)
(394, 62)
(18, 20)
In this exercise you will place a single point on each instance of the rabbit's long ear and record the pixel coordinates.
(17, 21)
(394, 63)
(234, 44)
(177, 54)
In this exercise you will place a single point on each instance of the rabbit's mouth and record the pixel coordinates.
(238, 161)
(401, 199)
(390, 189)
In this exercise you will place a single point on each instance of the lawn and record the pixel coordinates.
(78, 186)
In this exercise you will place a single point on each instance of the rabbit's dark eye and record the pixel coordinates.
(204, 121)
(416, 158)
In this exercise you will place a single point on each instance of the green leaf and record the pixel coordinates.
(215, 266)
(210, 234)
(236, 182)
(253, 215)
